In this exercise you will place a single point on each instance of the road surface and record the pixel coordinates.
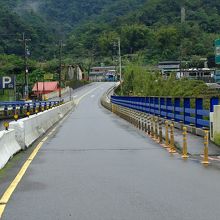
(98, 167)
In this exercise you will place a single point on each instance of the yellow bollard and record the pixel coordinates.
(160, 133)
(142, 123)
(172, 146)
(16, 117)
(156, 128)
(152, 127)
(148, 125)
(185, 153)
(139, 121)
(6, 125)
(145, 124)
(206, 149)
(113, 108)
(166, 133)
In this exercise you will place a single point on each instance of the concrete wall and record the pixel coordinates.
(215, 125)
(8, 146)
(25, 132)
(56, 93)
(28, 130)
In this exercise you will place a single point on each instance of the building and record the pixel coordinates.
(205, 74)
(42, 88)
(167, 67)
(106, 73)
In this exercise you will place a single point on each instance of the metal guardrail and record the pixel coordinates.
(190, 111)
(20, 108)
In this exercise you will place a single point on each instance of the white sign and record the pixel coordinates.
(7, 82)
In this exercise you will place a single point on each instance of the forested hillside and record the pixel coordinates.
(90, 27)
(154, 29)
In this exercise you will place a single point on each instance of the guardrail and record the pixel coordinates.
(20, 108)
(190, 111)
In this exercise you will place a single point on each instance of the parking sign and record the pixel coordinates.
(7, 82)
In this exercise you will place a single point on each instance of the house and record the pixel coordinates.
(205, 74)
(167, 67)
(103, 73)
(41, 88)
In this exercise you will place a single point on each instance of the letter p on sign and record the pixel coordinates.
(6, 80)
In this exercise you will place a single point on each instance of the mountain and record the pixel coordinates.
(91, 28)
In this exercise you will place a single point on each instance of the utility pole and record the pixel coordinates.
(119, 58)
(24, 40)
(60, 67)
(183, 19)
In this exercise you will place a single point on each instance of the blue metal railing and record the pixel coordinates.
(187, 110)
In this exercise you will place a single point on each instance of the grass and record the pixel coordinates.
(7, 95)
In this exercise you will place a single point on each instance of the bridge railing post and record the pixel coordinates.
(199, 107)
(186, 103)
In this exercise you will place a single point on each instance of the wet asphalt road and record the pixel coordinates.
(98, 167)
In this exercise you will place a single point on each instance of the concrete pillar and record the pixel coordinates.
(215, 125)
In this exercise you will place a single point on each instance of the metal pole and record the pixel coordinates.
(183, 18)
(60, 70)
(26, 90)
(15, 88)
(119, 54)
(37, 91)
(43, 96)
(206, 148)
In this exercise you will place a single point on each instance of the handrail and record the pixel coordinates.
(186, 110)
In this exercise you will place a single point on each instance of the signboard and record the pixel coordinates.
(217, 51)
(7, 82)
(48, 76)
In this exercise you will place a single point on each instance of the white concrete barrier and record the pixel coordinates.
(8, 146)
(215, 125)
(28, 130)
(56, 93)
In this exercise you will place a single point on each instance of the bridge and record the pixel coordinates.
(121, 158)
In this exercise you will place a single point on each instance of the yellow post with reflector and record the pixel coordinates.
(16, 117)
(206, 149)
(6, 125)
(172, 145)
(185, 153)
(166, 133)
